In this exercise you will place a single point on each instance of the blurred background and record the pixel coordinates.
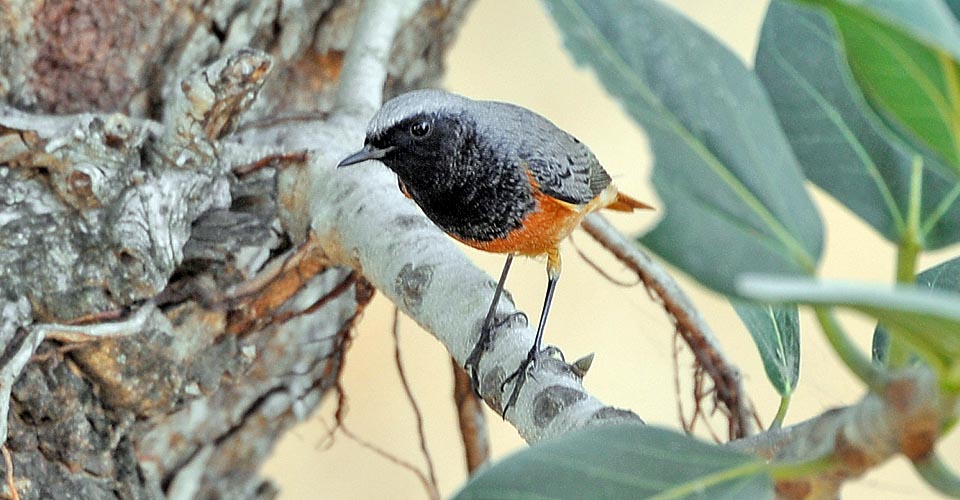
(511, 51)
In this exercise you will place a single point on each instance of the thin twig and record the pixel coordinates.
(473, 424)
(601, 271)
(278, 160)
(56, 353)
(434, 490)
(8, 462)
(334, 293)
(756, 415)
(431, 489)
(675, 355)
(691, 326)
(701, 394)
(340, 425)
(15, 356)
(257, 300)
(90, 332)
(364, 294)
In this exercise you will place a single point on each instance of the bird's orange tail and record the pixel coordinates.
(624, 203)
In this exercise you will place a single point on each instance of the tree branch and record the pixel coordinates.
(19, 344)
(361, 220)
(88, 333)
(365, 67)
(687, 319)
(472, 423)
(23, 343)
(102, 212)
(905, 417)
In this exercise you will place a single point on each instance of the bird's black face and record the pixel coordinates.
(421, 147)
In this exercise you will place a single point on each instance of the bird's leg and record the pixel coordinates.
(520, 376)
(472, 365)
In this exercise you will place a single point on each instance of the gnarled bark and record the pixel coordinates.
(144, 353)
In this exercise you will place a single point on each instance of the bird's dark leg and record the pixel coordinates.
(472, 365)
(520, 376)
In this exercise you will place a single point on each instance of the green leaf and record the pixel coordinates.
(776, 331)
(928, 320)
(944, 276)
(954, 6)
(734, 195)
(912, 82)
(843, 145)
(929, 21)
(622, 461)
(880, 347)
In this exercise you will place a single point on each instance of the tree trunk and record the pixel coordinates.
(132, 215)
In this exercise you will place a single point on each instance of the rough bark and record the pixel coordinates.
(904, 418)
(159, 327)
(181, 264)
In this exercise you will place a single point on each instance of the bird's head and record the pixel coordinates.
(419, 133)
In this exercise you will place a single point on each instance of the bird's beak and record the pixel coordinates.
(369, 152)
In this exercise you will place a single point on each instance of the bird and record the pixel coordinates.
(497, 177)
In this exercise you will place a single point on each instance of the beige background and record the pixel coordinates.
(511, 51)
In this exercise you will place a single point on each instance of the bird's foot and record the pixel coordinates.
(472, 365)
(519, 377)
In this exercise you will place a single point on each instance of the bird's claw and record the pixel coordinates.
(472, 364)
(519, 377)
(511, 317)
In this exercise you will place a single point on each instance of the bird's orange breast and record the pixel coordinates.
(541, 230)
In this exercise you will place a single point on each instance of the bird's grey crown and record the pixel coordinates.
(425, 101)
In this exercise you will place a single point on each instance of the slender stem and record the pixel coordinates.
(907, 253)
(781, 412)
(702, 483)
(779, 471)
(848, 352)
(907, 261)
(938, 475)
(910, 243)
(791, 470)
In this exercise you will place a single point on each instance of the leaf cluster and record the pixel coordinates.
(861, 98)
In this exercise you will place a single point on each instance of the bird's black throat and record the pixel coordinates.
(465, 186)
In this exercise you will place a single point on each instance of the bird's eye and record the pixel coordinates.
(420, 129)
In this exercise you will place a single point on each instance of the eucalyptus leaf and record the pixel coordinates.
(776, 331)
(622, 461)
(944, 276)
(930, 21)
(904, 55)
(842, 144)
(954, 6)
(926, 319)
(734, 196)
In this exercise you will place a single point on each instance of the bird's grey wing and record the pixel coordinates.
(568, 171)
(561, 165)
